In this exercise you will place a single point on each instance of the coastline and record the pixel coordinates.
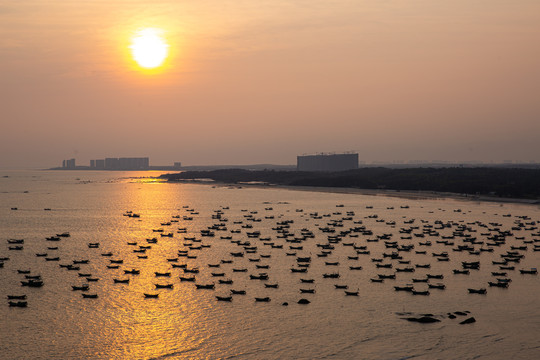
(414, 195)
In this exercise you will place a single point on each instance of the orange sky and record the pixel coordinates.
(264, 81)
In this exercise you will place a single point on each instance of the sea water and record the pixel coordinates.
(187, 323)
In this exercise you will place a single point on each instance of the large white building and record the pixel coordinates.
(120, 164)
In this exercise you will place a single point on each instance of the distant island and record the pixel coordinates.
(518, 183)
(143, 164)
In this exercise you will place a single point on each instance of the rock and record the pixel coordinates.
(423, 319)
(468, 321)
(460, 313)
(304, 301)
(451, 316)
(285, 304)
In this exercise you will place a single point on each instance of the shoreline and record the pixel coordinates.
(415, 195)
(407, 194)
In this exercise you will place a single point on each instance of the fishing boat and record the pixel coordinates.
(121, 281)
(163, 286)
(331, 276)
(262, 299)
(238, 292)
(498, 284)
(262, 276)
(84, 287)
(18, 303)
(163, 274)
(89, 296)
(477, 291)
(205, 286)
(408, 288)
(32, 283)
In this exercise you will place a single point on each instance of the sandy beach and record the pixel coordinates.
(378, 192)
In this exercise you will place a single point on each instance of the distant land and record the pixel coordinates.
(294, 167)
(499, 182)
(327, 162)
(188, 168)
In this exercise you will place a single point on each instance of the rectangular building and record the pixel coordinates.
(133, 163)
(327, 162)
(68, 164)
(122, 163)
(111, 163)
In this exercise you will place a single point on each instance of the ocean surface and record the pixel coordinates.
(256, 231)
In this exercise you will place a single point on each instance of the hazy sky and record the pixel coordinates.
(263, 81)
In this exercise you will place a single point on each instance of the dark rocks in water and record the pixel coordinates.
(431, 318)
(304, 301)
(285, 304)
(423, 319)
(468, 321)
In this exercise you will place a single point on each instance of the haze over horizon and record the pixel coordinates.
(262, 82)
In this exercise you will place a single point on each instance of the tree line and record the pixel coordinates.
(502, 182)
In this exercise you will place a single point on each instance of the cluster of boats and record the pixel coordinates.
(341, 246)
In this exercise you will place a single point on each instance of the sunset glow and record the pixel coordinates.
(148, 48)
(270, 179)
(397, 82)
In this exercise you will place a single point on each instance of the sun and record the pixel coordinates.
(149, 48)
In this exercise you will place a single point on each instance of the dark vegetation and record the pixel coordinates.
(501, 182)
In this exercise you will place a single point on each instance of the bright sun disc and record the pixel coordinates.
(148, 48)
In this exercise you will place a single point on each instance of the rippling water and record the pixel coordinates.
(186, 323)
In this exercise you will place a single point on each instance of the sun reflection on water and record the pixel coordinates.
(177, 320)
